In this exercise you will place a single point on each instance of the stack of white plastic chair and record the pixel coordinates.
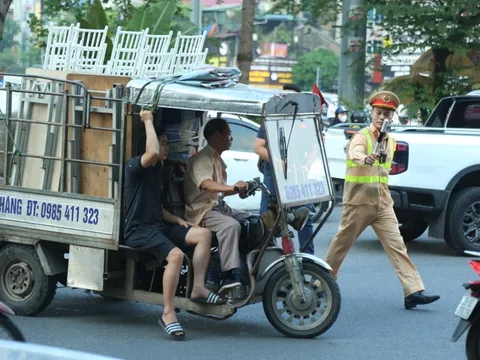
(188, 52)
(88, 50)
(58, 51)
(127, 47)
(156, 60)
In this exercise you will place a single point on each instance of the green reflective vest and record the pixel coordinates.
(370, 174)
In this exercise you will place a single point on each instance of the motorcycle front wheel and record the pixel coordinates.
(8, 326)
(292, 318)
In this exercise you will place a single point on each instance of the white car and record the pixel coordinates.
(242, 161)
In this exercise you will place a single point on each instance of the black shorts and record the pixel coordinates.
(160, 238)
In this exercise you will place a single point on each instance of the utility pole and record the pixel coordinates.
(319, 77)
(351, 89)
(196, 15)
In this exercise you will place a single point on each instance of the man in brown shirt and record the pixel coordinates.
(205, 186)
(367, 201)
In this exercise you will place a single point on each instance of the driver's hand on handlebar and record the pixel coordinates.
(242, 186)
(370, 159)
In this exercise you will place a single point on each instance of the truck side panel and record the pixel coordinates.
(63, 217)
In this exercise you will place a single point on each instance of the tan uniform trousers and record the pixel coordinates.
(224, 221)
(355, 219)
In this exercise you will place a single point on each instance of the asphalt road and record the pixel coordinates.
(372, 324)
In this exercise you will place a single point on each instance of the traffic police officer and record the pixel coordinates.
(367, 201)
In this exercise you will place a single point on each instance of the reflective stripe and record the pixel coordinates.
(366, 179)
(369, 140)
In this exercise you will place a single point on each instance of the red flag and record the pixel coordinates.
(316, 90)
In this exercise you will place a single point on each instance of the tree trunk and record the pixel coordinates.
(245, 49)
(440, 56)
(4, 6)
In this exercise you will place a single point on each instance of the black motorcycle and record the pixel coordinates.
(469, 313)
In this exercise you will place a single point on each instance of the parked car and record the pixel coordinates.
(242, 162)
(435, 176)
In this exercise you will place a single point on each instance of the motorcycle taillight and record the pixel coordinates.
(475, 266)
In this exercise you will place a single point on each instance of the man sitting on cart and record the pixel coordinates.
(205, 179)
(149, 226)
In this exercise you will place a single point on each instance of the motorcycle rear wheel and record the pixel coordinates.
(473, 342)
(11, 329)
(296, 320)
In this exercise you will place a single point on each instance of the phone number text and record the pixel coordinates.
(305, 191)
(49, 211)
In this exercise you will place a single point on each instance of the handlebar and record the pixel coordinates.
(254, 185)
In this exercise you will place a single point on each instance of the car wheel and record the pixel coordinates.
(462, 231)
(317, 210)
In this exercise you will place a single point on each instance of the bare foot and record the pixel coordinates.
(200, 292)
(169, 317)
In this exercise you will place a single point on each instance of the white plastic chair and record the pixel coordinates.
(59, 47)
(155, 61)
(88, 51)
(127, 47)
(188, 52)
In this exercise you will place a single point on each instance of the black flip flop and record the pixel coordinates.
(173, 329)
(211, 299)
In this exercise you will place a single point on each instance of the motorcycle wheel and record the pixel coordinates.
(473, 342)
(7, 325)
(291, 318)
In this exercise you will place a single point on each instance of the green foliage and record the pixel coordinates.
(446, 26)
(304, 73)
(38, 29)
(279, 35)
(421, 24)
(156, 18)
(12, 58)
(10, 29)
(324, 10)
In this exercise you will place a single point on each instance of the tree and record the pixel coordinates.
(159, 16)
(304, 73)
(4, 6)
(325, 10)
(279, 35)
(10, 30)
(446, 26)
(13, 59)
(244, 56)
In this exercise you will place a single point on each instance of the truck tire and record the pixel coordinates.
(463, 221)
(413, 229)
(24, 286)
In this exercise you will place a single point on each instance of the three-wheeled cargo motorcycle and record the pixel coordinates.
(67, 137)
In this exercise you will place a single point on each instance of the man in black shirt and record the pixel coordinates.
(149, 226)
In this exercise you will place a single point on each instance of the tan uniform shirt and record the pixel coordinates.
(357, 152)
(205, 165)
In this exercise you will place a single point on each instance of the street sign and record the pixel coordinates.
(271, 72)
(355, 43)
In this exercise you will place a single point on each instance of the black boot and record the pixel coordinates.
(419, 298)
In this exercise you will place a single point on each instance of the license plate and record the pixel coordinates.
(466, 306)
